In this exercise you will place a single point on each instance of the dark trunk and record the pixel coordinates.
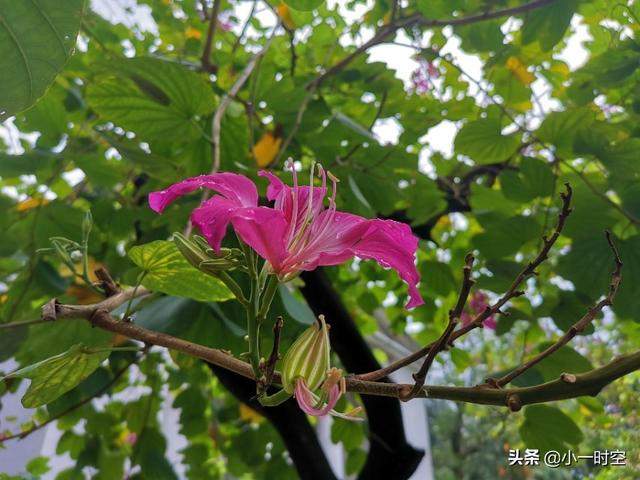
(390, 456)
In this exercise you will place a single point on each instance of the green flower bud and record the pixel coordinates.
(308, 357)
(87, 225)
(199, 254)
(190, 250)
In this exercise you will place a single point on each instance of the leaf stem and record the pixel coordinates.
(277, 398)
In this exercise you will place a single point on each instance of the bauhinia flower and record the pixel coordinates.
(477, 304)
(298, 233)
(308, 375)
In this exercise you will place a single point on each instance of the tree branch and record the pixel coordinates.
(211, 33)
(578, 327)
(589, 383)
(443, 341)
(417, 19)
(512, 292)
(226, 101)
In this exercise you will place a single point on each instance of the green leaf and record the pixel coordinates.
(560, 128)
(426, 200)
(36, 39)
(57, 375)
(548, 24)
(16, 165)
(304, 5)
(295, 308)
(167, 271)
(437, 277)
(548, 428)
(481, 36)
(564, 360)
(38, 466)
(353, 125)
(10, 341)
(534, 179)
(506, 237)
(482, 141)
(158, 100)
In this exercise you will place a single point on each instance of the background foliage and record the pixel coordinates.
(131, 111)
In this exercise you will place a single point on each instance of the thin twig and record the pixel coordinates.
(568, 386)
(270, 366)
(443, 341)
(494, 309)
(418, 20)
(301, 109)
(243, 32)
(228, 98)
(602, 195)
(12, 325)
(578, 327)
(589, 383)
(211, 33)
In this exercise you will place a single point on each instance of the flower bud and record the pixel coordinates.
(199, 254)
(308, 357)
(87, 225)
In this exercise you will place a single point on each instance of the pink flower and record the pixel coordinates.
(132, 438)
(423, 76)
(477, 304)
(298, 233)
(309, 403)
(225, 22)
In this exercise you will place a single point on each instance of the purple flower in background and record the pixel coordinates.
(477, 304)
(423, 76)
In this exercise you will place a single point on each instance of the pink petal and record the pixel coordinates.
(212, 218)
(307, 403)
(490, 323)
(232, 186)
(263, 229)
(465, 318)
(333, 243)
(393, 245)
(282, 194)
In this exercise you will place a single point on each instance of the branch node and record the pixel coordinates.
(514, 403)
(568, 378)
(107, 283)
(49, 310)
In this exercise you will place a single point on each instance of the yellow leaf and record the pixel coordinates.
(30, 203)
(193, 33)
(266, 149)
(285, 15)
(523, 106)
(249, 415)
(561, 68)
(520, 71)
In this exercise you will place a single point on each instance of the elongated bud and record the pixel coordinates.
(199, 254)
(308, 357)
(192, 252)
(87, 225)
